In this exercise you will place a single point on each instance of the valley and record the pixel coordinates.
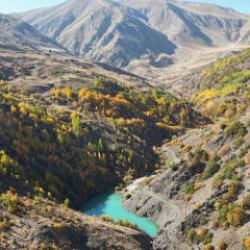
(63, 143)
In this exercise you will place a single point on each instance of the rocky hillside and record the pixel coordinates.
(34, 72)
(42, 224)
(201, 192)
(140, 33)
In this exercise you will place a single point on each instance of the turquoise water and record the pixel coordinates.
(111, 205)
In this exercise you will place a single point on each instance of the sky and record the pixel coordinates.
(10, 6)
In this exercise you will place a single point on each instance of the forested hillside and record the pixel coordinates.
(87, 140)
(224, 88)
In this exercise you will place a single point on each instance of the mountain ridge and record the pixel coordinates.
(20, 34)
(132, 33)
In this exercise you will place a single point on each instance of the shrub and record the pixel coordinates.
(208, 247)
(118, 222)
(126, 223)
(238, 142)
(66, 202)
(245, 203)
(241, 163)
(191, 234)
(146, 181)
(236, 129)
(4, 224)
(106, 218)
(222, 213)
(197, 205)
(225, 173)
(171, 165)
(190, 188)
(231, 214)
(210, 169)
(213, 156)
(224, 150)
(10, 202)
(233, 190)
(201, 153)
(236, 216)
(246, 243)
(222, 245)
(57, 225)
(199, 235)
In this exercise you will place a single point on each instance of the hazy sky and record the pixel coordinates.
(8, 6)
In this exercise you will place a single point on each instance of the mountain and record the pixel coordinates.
(19, 34)
(73, 129)
(245, 34)
(137, 33)
(101, 31)
(190, 24)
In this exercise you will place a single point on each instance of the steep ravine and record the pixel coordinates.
(163, 197)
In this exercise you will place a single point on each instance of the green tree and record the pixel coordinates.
(76, 123)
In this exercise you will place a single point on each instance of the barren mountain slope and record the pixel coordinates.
(39, 72)
(192, 24)
(138, 34)
(101, 31)
(20, 34)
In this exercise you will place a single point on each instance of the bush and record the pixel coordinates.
(208, 247)
(210, 169)
(4, 224)
(11, 202)
(222, 245)
(236, 216)
(190, 188)
(191, 234)
(245, 203)
(146, 181)
(233, 190)
(236, 129)
(224, 150)
(246, 243)
(171, 165)
(126, 223)
(199, 235)
(106, 218)
(225, 173)
(230, 214)
(66, 202)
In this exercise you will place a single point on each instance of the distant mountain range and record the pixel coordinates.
(19, 34)
(133, 33)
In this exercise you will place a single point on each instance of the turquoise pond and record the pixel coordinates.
(111, 205)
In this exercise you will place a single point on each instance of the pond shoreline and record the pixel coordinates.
(110, 206)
